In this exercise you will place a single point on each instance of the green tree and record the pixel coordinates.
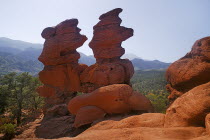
(3, 98)
(152, 84)
(20, 91)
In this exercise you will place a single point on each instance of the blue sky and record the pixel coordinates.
(163, 29)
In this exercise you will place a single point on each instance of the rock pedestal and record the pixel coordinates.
(106, 45)
(106, 83)
(60, 75)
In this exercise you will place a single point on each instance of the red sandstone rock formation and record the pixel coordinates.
(60, 75)
(190, 71)
(106, 46)
(112, 99)
(140, 127)
(190, 109)
(207, 122)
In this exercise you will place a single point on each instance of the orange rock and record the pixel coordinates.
(55, 76)
(48, 32)
(64, 77)
(108, 36)
(109, 52)
(74, 80)
(111, 99)
(70, 58)
(139, 102)
(192, 70)
(113, 13)
(88, 87)
(187, 73)
(201, 49)
(108, 21)
(87, 115)
(143, 133)
(190, 109)
(67, 26)
(144, 120)
(116, 72)
(173, 93)
(207, 122)
(129, 69)
(109, 73)
(46, 91)
(61, 43)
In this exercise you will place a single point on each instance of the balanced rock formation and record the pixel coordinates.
(106, 46)
(190, 71)
(60, 75)
(112, 99)
(108, 81)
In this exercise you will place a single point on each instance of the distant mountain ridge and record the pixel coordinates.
(20, 56)
(17, 44)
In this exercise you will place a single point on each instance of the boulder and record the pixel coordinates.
(190, 71)
(112, 99)
(190, 109)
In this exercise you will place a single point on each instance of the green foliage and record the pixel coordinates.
(3, 99)
(152, 85)
(19, 92)
(13, 63)
(8, 128)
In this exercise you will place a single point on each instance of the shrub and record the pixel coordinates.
(8, 128)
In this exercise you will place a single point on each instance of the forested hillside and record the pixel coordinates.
(152, 84)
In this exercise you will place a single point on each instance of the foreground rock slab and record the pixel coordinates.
(143, 133)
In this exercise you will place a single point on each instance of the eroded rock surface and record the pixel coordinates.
(190, 109)
(106, 46)
(61, 73)
(207, 122)
(107, 88)
(141, 127)
(190, 71)
(112, 99)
